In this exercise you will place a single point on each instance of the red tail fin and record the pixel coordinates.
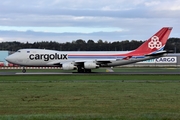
(155, 43)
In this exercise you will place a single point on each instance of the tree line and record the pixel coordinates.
(173, 44)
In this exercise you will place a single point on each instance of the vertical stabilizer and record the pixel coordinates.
(155, 43)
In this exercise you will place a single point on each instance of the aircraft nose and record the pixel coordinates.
(9, 58)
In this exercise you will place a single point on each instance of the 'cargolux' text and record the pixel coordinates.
(47, 57)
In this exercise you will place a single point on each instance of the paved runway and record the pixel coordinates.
(74, 73)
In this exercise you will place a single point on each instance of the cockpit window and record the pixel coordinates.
(18, 51)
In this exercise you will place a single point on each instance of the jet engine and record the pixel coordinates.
(90, 65)
(68, 66)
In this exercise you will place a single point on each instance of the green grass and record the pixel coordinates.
(90, 97)
(86, 97)
(87, 77)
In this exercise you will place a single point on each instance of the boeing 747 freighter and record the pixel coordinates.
(85, 61)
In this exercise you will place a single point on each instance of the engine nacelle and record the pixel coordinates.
(68, 66)
(90, 65)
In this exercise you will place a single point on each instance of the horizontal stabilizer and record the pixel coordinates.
(127, 58)
(158, 53)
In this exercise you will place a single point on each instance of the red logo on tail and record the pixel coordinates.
(155, 43)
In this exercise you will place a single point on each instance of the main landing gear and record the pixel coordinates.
(83, 70)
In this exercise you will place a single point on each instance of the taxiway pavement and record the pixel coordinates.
(75, 73)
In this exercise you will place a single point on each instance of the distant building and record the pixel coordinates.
(3, 55)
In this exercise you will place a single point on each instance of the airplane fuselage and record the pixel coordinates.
(42, 57)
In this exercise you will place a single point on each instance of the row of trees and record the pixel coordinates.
(90, 45)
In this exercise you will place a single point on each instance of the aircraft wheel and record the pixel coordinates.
(23, 70)
(87, 70)
(80, 70)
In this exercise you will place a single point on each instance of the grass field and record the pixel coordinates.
(74, 97)
(84, 99)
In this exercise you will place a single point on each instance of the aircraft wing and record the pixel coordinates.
(79, 62)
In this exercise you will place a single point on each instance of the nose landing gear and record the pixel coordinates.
(23, 70)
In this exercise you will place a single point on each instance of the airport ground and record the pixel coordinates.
(170, 69)
(91, 96)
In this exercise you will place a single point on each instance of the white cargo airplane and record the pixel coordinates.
(85, 61)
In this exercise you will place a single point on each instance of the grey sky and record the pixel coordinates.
(67, 20)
